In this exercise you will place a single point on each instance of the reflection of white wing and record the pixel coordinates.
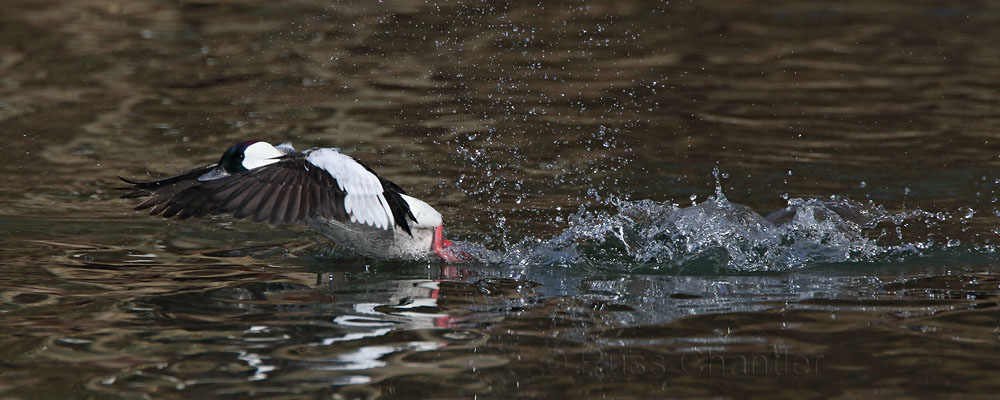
(364, 201)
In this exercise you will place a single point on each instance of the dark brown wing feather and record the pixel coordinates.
(164, 188)
(286, 192)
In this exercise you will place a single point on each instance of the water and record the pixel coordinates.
(680, 199)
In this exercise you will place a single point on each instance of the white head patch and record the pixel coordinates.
(260, 154)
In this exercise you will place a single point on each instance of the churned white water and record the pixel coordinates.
(717, 235)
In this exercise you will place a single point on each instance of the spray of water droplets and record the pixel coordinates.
(717, 235)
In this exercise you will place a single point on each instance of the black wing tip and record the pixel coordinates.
(400, 211)
(128, 181)
(138, 186)
(135, 189)
(405, 227)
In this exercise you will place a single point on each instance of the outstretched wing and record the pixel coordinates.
(292, 190)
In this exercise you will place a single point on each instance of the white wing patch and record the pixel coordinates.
(364, 201)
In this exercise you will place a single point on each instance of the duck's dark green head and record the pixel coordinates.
(232, 159)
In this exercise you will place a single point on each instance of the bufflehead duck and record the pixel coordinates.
(333, 193)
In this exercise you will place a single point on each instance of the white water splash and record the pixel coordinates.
(715, 234)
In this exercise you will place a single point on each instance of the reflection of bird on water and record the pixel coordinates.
(332, 192)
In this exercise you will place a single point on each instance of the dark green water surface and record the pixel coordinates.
(537, 129)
